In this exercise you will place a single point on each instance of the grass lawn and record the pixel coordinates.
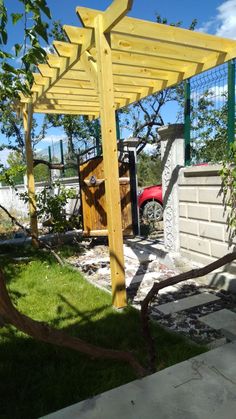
(38, 378)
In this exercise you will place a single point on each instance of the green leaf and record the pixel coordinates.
(18, 48)
(41, 30)
(42, 4)
(8, 68)
(16, 17)
(4, 36)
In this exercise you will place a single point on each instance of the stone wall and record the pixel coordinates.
(203, 231)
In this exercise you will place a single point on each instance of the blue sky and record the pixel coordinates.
(213, 16)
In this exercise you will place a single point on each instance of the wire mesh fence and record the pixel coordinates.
(209, 115)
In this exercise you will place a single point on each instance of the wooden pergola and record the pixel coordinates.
(110, 62)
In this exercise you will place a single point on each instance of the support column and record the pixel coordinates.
(110, 161)
(172, 154)
(27, 122)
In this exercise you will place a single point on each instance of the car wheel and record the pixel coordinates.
(152, 211)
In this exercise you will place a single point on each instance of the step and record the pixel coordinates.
(224, 320)
(186, 303)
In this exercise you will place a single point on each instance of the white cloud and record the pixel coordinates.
(224, 22)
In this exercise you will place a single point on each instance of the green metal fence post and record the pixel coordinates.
(231, 102)
(117, 126)
(62, 157)
(187, 121)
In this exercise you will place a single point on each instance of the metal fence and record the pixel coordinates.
(210, 114)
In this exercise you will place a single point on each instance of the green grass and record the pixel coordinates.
(38, 378)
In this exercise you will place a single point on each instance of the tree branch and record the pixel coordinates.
(28, 232)
(194, 273)
(43, 332)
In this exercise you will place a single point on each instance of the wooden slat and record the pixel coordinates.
(147, 61)
(142, 72)
(54, 60)
(149, 47)
(75, 97)
(60, 89)
(65, 112)
(67, 101)
(47, 71)
(159, 32)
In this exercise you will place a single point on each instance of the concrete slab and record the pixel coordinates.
(200, 388)
(186, 303)
(222, 319)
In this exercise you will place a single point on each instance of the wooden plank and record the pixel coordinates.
(66, 112)
(80, 104)
(90, 68)
(71, 90)
(27, 123)
(159, 32)
(74, 97)
(47, 71)
(68, 107)
(81, 84)
(126, 58)
(127, 43)
(112, 15)
(111, 171)
(54, 60)
(143, 72)
(65, 49)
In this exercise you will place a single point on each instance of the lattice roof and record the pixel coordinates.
(147, 57)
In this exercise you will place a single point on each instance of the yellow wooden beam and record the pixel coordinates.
(65, 49)
(69, 101)
(60, 89)
(65, 112)
(69, 107)
(27, 123)
(81, 36)
(149, 47)
(112, 15)
(143, 72)
(147, 61)
(54, 60)
(63, 82)
(77, 97)
(110, 161)
(47, 71)
(90, 68)
(159, 32)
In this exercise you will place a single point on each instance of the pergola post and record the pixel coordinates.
(110, 161)
(27, 122)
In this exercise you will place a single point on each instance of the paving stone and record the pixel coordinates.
(202, 387)
(141, 256)
(186, 303)
(224, 320)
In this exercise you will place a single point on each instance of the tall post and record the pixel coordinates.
(187, 121)
(27, 122)
(62, 157)
(117, 126)
(231, 102)
(110, 161)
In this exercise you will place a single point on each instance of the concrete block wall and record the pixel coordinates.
(203, 231)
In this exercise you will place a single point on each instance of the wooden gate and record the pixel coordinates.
(93, 199)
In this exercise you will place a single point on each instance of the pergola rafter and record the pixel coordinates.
(110, 62)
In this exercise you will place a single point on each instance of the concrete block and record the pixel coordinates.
(184, 240)
(186, 303)
(197, 257)
(200, 245)
(183, 210)
(188, 226)
(188, 194)
(219, 249)
(211, 231)
(222, 319)
(218, 214)
(210, 195)
(199, 212)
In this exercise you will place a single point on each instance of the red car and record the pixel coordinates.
(150, 203)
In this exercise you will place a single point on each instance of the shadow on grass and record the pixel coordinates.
(38, 378)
